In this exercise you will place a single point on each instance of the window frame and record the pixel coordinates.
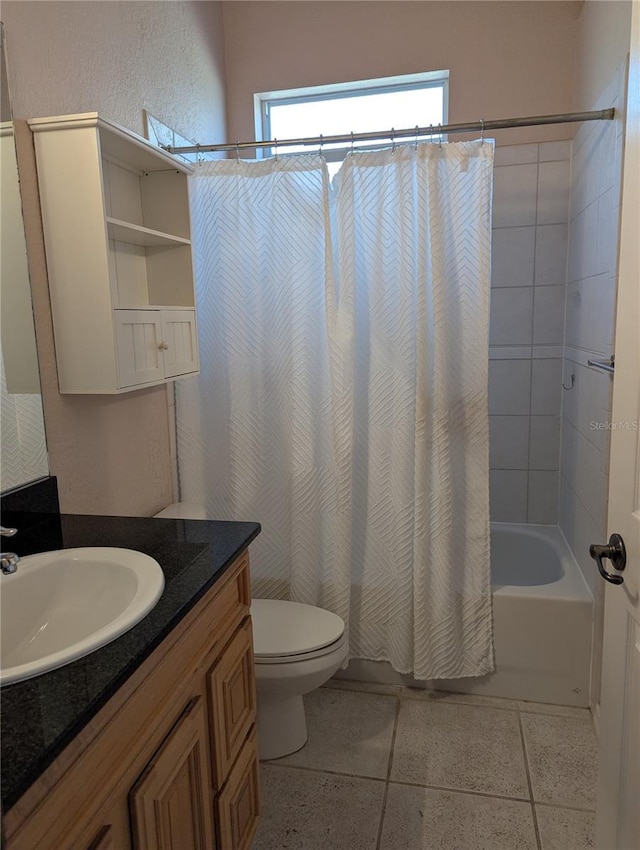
(263, 101)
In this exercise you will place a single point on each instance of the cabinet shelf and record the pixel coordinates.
(135, 234)
(185, 307)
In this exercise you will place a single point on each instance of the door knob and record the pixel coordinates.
(615, 552)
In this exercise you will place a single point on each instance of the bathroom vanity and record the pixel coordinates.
(149, 742)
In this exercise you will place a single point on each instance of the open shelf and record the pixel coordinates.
(135, 234)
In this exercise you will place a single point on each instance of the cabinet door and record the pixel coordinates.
(138, 344)
(239, 800)
(179, 342)
(232, 700)
(171, 803)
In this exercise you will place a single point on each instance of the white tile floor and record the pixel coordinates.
(390, 768)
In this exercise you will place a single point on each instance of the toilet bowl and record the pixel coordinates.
(297, 648)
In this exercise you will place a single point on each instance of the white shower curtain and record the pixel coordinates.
(343, 394)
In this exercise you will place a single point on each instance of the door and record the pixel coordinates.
(618, 814)
(232, 701)
(171, 803)
(239, 800)
(179, 342)
(139, 347)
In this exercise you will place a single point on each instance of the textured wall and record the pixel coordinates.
(111, 454)
(506, 58)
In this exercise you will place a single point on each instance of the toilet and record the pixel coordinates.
(297, 648)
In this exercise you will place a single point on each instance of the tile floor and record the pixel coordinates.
(389, 768)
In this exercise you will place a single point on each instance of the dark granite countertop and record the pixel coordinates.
(40, 716)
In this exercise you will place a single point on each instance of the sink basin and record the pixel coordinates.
(62, 605)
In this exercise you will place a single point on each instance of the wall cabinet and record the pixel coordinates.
(171, 762)
(115, 214)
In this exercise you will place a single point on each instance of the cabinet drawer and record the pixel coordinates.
(232, 701)
(239, 801)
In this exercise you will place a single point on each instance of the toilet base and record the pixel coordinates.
(282, 727)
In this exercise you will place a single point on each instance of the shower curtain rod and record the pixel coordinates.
(393, 135)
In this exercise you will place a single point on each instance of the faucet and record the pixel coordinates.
(8, 560)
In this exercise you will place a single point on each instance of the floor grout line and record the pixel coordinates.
(452, 698)
(389, 766)
(529, 783)
(451, 789)
(570, 808)
(409, 784)
(280, 764)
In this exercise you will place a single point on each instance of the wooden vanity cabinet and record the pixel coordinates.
(171, 762)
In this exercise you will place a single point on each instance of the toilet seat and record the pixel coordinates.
(285, 632)
(259, 660)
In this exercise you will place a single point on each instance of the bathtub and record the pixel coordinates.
(543, 614)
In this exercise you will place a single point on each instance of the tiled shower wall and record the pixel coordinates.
(589, 334)
(591, 292)
(530, 224)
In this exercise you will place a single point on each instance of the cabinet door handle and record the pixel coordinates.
(164, 346)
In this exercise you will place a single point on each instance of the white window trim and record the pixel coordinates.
(263, 100)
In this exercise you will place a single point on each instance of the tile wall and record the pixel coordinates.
(589, 334)
(530, 227)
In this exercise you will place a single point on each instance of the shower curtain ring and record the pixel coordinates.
(275, 147)
(238, 150)
(482, 130)
(320, 148)
(415, 143)
(393, 140)
(352, 142)
(440, 137)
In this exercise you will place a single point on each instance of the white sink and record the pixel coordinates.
(62, 605)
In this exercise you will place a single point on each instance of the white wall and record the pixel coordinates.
(111, 454)
(506, 58)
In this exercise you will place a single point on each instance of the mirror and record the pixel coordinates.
(23, 445)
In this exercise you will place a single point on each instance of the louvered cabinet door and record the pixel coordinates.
(171, 803)
(139, 347)
(180, 342)
(232, 701)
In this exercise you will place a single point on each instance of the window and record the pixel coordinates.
(359, 107)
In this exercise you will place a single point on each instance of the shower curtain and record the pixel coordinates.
(342, 400)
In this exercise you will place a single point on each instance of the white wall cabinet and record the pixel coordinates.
(115, 212)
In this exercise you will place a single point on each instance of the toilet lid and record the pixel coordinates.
(290, 628)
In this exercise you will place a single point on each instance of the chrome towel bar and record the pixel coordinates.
(605, 365)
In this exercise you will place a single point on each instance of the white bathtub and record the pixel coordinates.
(543, 612)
